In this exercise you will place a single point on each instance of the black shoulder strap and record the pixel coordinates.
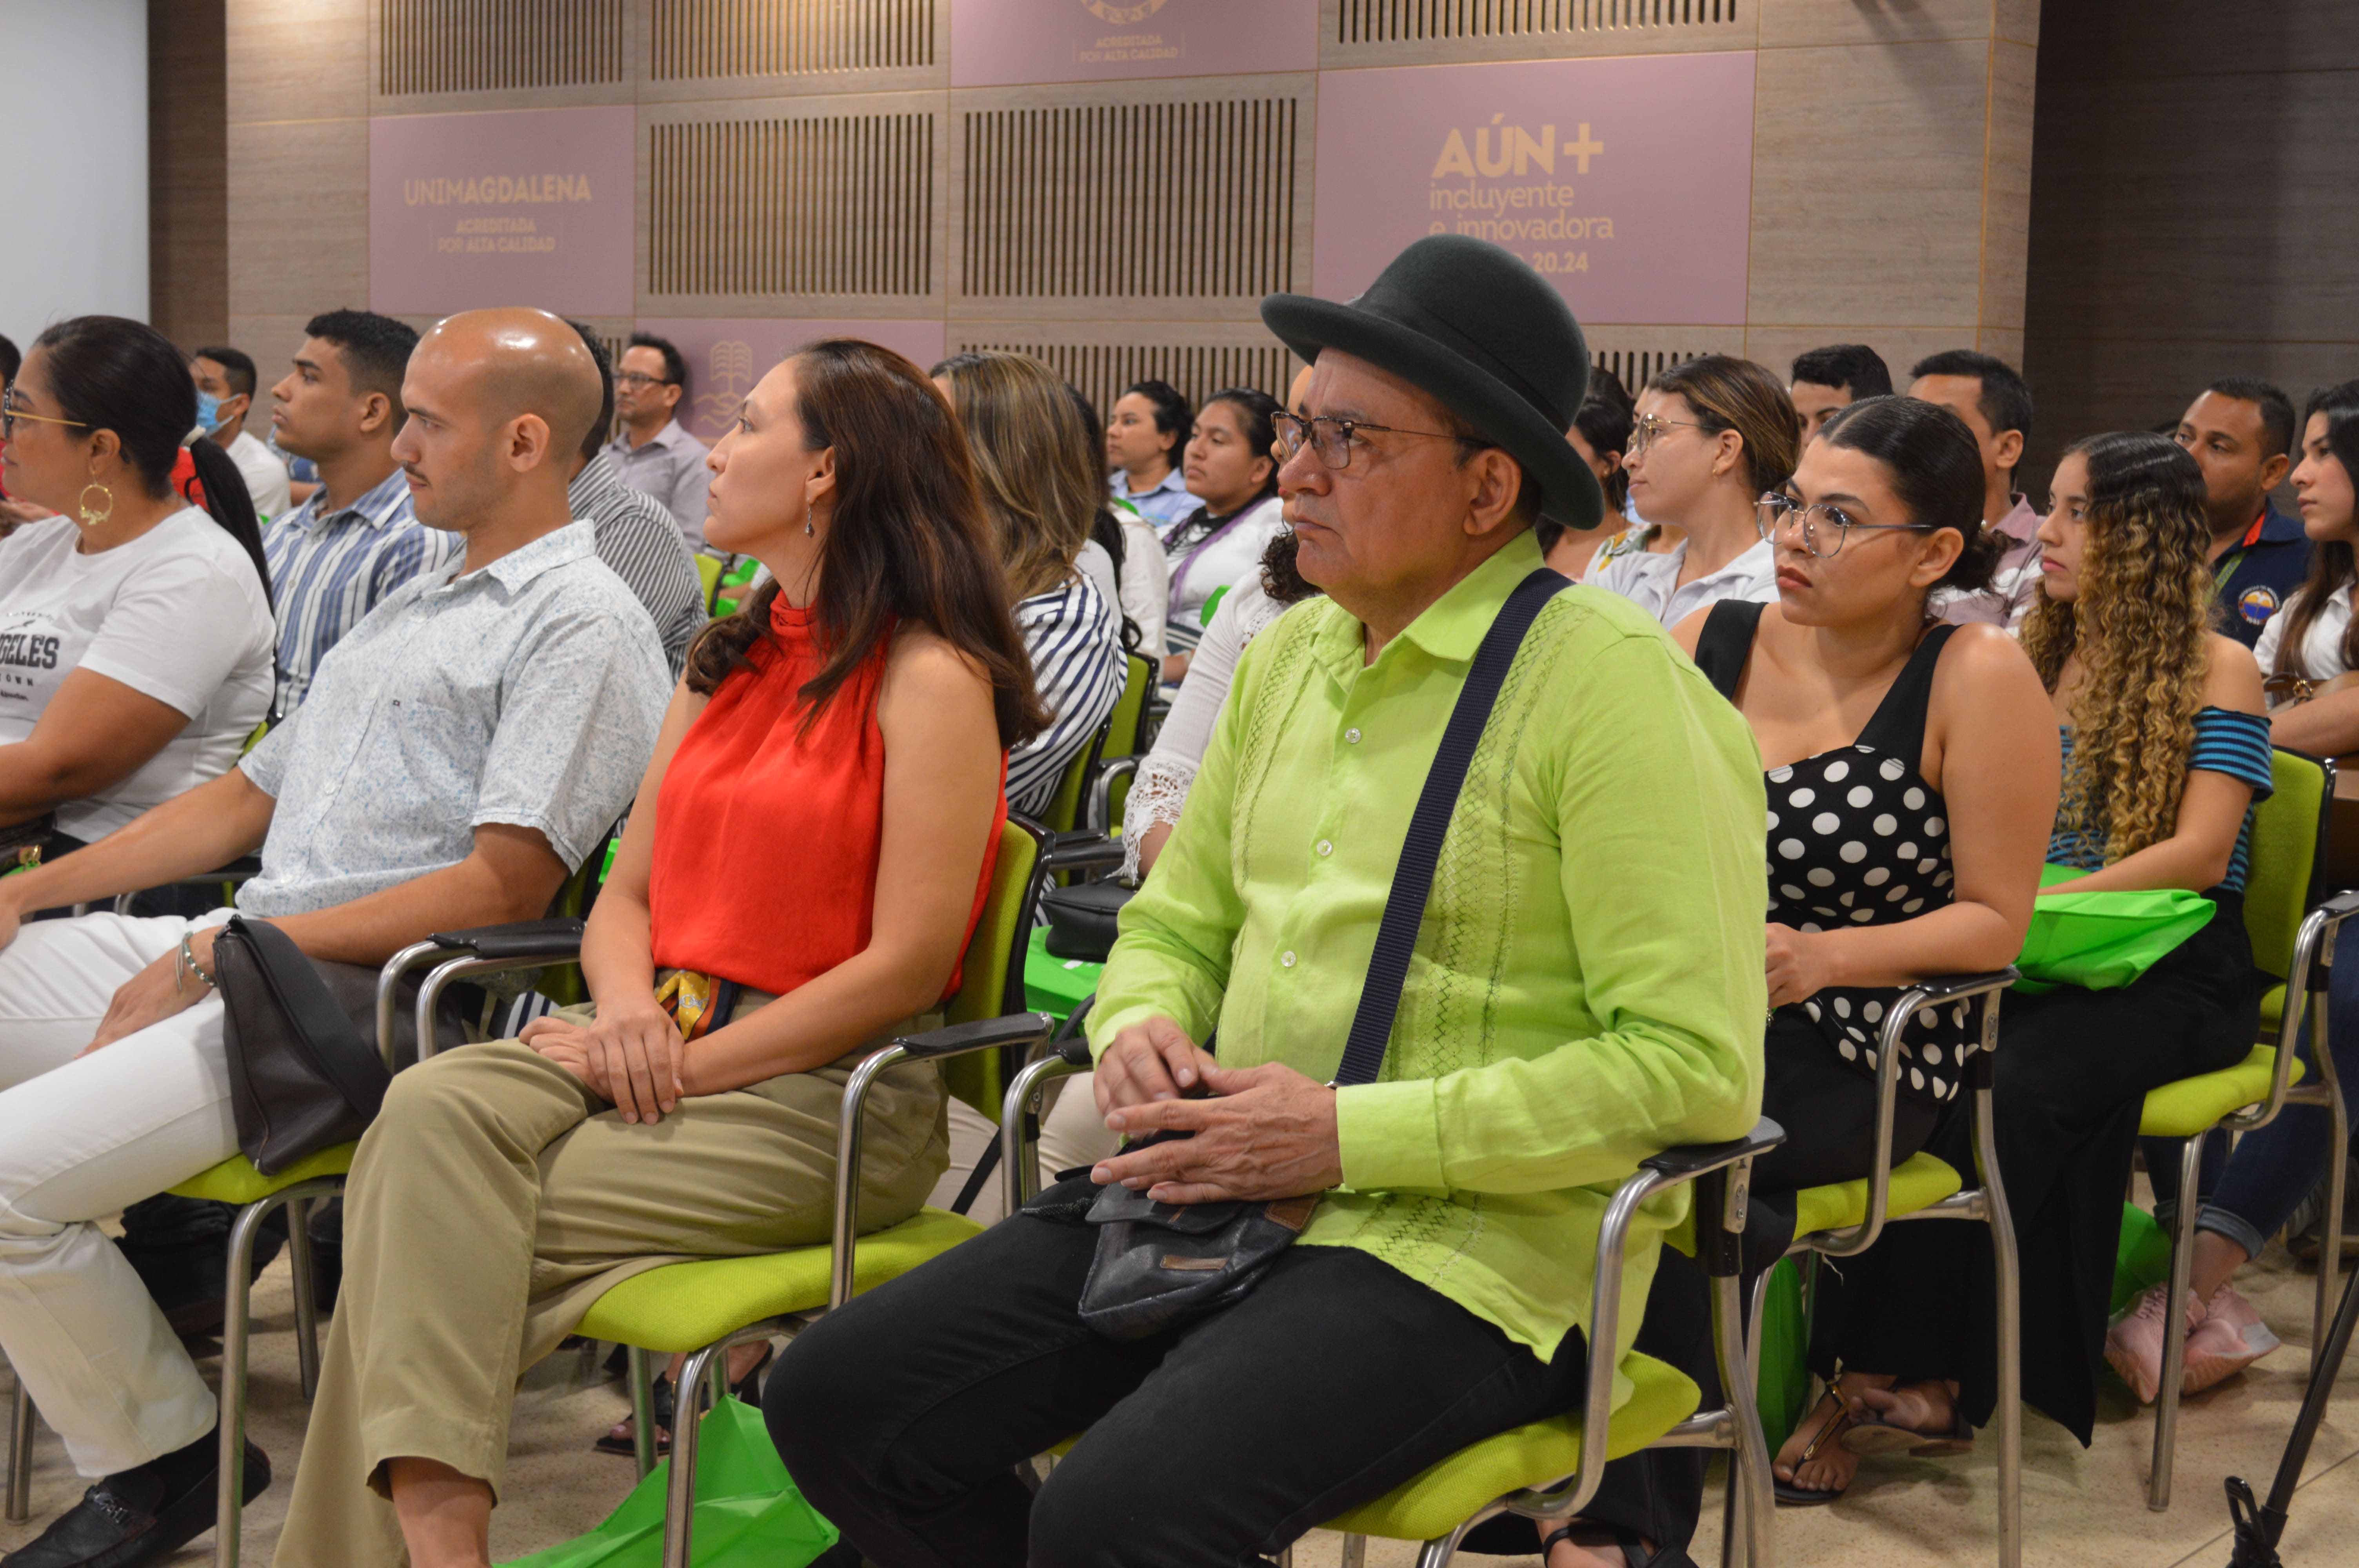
(1725, 643)
(1371, 1025)
(1897, 726)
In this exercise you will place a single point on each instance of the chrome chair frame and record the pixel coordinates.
(1986, 1202)
(2305, 1005)
(1725, 1170)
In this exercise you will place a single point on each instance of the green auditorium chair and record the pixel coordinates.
(2292, 924)
(1544, 1471)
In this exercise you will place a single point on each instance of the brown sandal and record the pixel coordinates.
(1833, 1431)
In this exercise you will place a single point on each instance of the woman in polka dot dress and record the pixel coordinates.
(2166, 750)
(1913, 778)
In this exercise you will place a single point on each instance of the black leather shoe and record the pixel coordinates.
(127, 1520)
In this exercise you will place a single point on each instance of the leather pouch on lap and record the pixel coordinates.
(1158, 1265)
(1082, 919)
(301, 1077)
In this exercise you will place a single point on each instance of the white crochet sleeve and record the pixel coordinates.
(1156, 796)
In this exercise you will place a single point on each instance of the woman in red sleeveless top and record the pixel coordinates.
(806, 860)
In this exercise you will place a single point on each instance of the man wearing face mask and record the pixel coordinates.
(225, 383)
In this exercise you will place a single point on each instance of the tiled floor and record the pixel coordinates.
(2080, 1508)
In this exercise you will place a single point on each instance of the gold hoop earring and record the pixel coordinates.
(95, 519)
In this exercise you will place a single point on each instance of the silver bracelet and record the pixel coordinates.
(185, 964)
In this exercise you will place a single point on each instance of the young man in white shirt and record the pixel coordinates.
(225, 381)
(654, 453)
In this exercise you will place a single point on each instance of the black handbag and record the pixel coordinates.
(1082, 919)
(301, 1077)
(1158, 1265)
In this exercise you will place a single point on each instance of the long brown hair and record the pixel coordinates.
(2333, 566)
(1730, 394)
(906, 542)
(1041, 483)
(2139, 625)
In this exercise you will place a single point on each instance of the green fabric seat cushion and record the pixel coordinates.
(235, 1180)
(2196, 1104)
(1442, 1498)
(1918, 1182)
(686, 1306)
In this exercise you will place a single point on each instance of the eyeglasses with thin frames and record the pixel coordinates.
(11, 411)
(1773, 512)
(1336, 439)
(1649, 430)
(640, 378)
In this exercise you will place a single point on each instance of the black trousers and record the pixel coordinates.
(904, 1417)
(2068, 1084)
(1828, 1109)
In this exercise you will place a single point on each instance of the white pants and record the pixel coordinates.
(80, 1139)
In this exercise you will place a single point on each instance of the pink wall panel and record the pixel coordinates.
(726, 357)
(1004, 43)
(524, 207)
(1627, 181)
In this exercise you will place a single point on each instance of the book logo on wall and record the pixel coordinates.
(1007, 43)
(1122, 16)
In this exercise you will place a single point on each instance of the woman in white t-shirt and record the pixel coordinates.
(1231, 470)
(135, 630)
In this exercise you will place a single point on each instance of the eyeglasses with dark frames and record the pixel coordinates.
(1773, 512)
(640, 378)
(1336, 439)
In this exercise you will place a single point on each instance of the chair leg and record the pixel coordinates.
(643, 1410)
(2330, 1226)
(588, 1370)
(680, 1499)
(20, 1454)
(1748, 1521)
(1438, 1553)
(2009, 1270)
(1354, 1553)
(237, 1304)
(2174, 1319)
(306, 1308)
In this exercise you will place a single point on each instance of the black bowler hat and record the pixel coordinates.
(1478, 328)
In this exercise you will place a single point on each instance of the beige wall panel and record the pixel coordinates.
(1446, 32)
(688, 50)
(2016, 21)
(1901, 346)
(833, 228)
(1876, 216)
(2006, 187)
(272, 338)
(298, 217)
(297, 60)
(1208, 255)
(455, 56)
(2005, 344)
(1813, 23)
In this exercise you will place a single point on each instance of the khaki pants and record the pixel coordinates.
(496, 1199)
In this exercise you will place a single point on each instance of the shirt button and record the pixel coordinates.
(1352, 736)
(1326, 846)
(1286, 959)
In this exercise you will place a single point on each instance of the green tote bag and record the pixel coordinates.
(2103, 941)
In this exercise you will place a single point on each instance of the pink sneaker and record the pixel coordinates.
(2230, 1337)
(2134, 1342)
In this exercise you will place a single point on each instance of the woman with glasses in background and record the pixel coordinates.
(2165, 751)
(1711, 435)
(1911, 779)
(136, 632)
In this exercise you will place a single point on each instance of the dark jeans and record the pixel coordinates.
(2250, 1195)
(904, 1417)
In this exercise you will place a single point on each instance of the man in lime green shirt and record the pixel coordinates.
(1587, 990)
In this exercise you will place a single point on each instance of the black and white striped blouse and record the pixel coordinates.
(1075, 641)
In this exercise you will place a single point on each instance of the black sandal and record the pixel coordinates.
(1634, 1546)
(661, 1401)
(1833, 1431)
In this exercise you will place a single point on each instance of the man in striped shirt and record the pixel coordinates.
(356, 538)
(637, 535)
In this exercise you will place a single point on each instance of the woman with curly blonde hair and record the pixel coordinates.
(2165, 751)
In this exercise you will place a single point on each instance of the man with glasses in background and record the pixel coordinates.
(655, 453)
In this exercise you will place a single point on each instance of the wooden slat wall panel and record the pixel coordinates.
(719, 39)
(1103, 371)
(1636, 367)
(484, 46)
(1153, 201)
(829, 204)
(1387, 21)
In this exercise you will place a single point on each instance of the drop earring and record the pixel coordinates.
(807, 517)
(90, 518)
